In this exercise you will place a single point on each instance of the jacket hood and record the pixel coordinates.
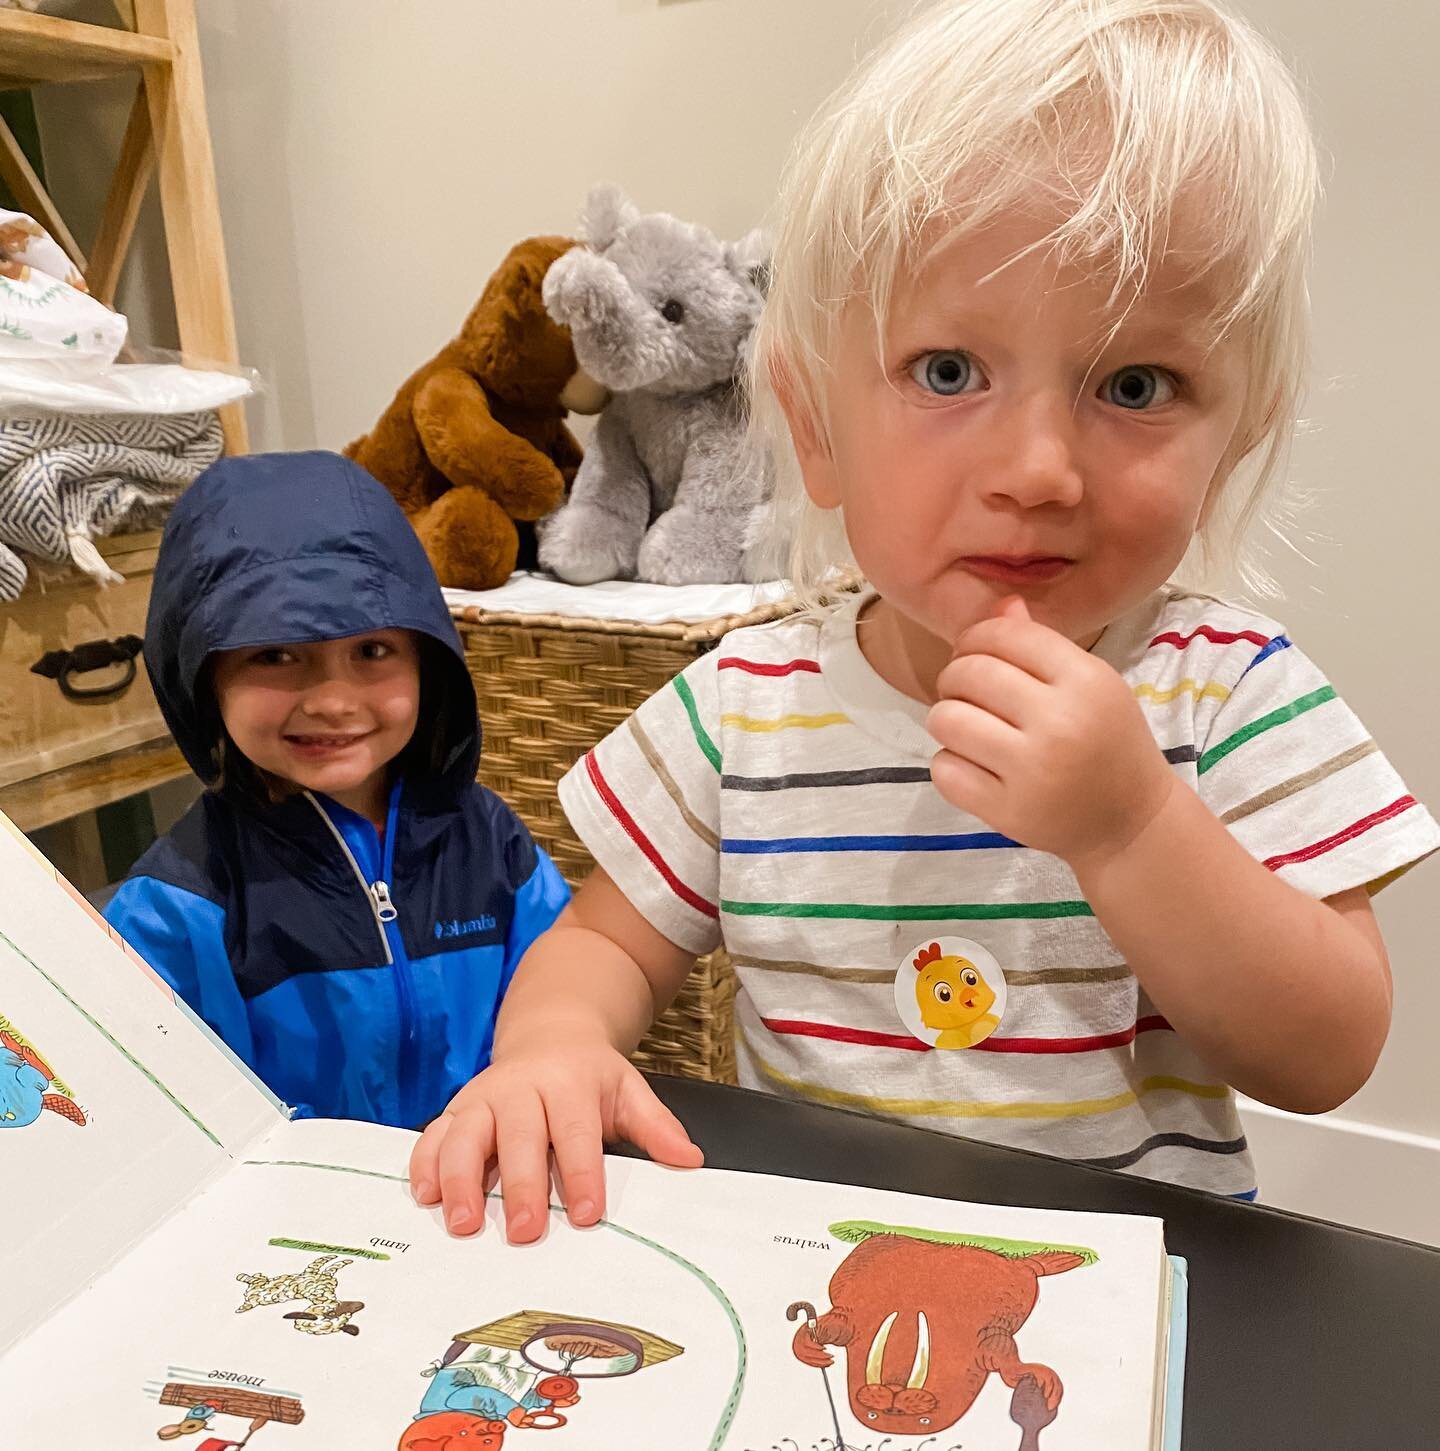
(288, 548)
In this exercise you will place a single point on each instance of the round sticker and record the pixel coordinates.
(950, 992)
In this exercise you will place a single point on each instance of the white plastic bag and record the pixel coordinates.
(157, 388)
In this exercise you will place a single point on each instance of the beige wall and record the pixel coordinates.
(1368, 610)
(376, 157)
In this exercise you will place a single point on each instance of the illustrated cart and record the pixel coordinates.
(526, 1370)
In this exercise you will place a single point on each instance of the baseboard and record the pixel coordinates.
(1351, 1172)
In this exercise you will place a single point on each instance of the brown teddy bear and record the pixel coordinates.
(476, 438)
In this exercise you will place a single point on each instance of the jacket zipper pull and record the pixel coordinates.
(384, 907)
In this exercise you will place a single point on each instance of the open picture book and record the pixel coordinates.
(183, 1262)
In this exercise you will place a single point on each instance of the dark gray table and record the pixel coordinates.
(1304, 1336)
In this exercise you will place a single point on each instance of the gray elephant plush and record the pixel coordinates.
(661, 314)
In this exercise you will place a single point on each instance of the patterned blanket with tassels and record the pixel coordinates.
(67, 478)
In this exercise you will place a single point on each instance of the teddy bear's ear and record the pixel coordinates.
(608, 211)
(495, 330)
(749, 259)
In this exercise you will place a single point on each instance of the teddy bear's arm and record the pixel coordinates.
(469, 447)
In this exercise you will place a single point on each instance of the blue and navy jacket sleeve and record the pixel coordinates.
(181, 934)
(538, 902)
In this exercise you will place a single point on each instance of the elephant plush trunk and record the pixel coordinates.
(620, 338)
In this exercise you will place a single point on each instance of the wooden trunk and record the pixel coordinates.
(234, 1401)
(42, 728)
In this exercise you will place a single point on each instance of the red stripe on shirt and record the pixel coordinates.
(1217, 637)
(632, 830)
(760, 667)
(1329, 843)
(1091, 1044)
(836, 1033)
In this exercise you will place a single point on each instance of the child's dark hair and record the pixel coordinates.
(428, 752)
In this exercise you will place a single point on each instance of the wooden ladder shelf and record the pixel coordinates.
(167, 135)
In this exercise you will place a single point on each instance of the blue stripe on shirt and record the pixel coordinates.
(780, 845)
(1280, 642)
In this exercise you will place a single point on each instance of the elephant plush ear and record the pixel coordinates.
(608, 211)
(749, 259)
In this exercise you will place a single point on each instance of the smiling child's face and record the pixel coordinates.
(328, 715)
(1019, 433)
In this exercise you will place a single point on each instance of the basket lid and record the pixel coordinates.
(628, 607)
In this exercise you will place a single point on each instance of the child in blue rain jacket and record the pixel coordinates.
(344, 905)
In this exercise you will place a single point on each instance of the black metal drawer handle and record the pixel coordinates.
(61, 665)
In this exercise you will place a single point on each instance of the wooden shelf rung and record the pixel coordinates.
(44, 49)
(44, 800)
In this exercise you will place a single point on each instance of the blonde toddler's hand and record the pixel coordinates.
(572, 1095)
(1044, 741)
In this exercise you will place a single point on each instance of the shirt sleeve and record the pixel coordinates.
(1288, 767)
(646, 804)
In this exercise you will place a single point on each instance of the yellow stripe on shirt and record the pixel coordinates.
(959, 1108)
(1210, 690)
(784, 722)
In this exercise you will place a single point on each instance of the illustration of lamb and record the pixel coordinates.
(317, 1284)
(328, 1319)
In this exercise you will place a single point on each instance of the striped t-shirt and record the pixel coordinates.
(776, 798)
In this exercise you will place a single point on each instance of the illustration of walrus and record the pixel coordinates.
(924, 1321)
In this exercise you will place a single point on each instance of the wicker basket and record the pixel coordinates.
(549, 688)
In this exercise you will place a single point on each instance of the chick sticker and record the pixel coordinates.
(950, 992)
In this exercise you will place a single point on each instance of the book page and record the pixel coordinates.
(304, 1301)
(115, 1103)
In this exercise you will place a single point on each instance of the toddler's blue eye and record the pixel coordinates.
(944, 373)
(1138, 387)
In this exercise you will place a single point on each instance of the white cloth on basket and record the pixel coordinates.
(619, 599)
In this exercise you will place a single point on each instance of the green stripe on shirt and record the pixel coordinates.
(702, 738)
(888, 912)
(1266, 722)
